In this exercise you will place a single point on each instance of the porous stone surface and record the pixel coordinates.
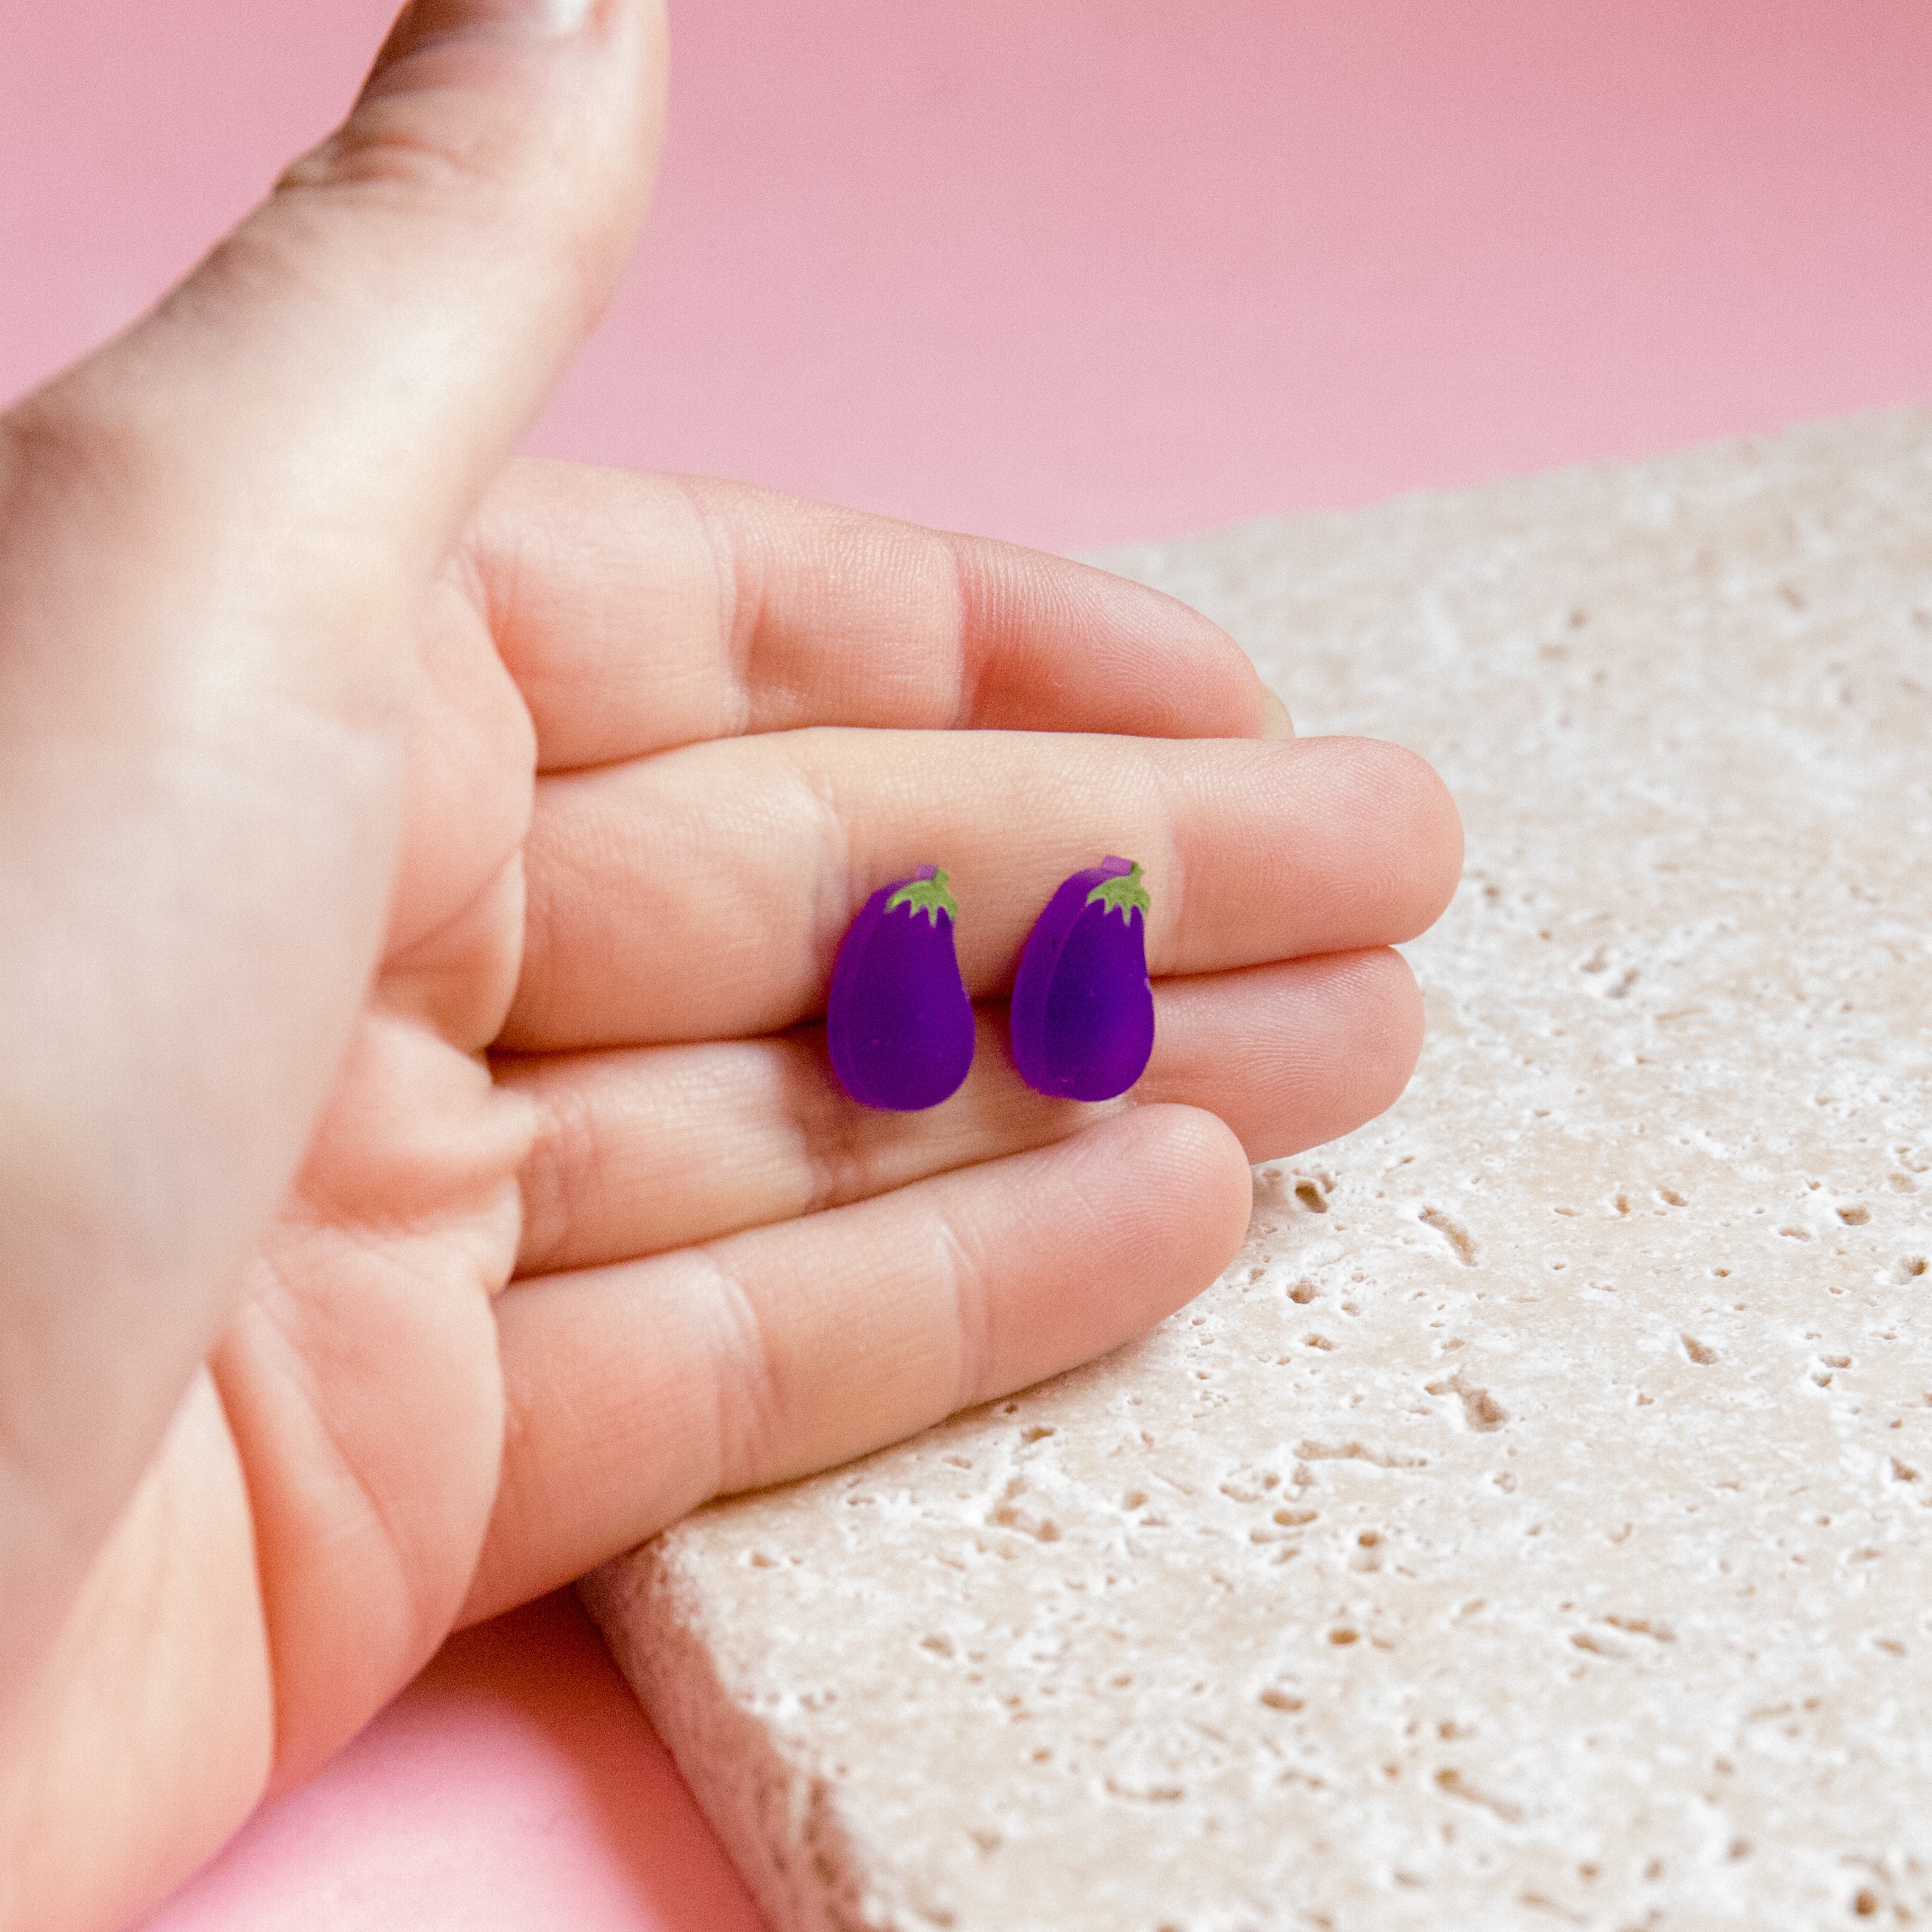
(1533, 1528)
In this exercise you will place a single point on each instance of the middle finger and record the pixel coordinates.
(701, 893)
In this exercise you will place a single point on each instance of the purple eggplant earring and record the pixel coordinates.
(1083, 1011)
(899, 1022)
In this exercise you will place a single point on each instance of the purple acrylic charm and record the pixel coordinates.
(1083, 1011)
(899, 1022)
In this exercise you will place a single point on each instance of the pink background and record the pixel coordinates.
(1071, 271)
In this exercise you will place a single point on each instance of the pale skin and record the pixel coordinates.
(421, 1177)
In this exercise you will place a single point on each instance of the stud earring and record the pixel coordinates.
(1083, 1011)
(899, 1022)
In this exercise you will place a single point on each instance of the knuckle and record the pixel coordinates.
(409, 149)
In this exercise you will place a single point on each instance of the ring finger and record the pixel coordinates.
(643, 1150)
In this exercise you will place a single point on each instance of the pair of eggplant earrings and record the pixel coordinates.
(899, 1023)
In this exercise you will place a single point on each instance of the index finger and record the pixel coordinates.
(639, 613)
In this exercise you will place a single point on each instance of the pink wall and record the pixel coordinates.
(1073, 271)
(1078, 270)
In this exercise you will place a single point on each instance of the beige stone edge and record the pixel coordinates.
(778, 1824)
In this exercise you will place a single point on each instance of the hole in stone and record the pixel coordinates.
(1481, 1409)
(1855, 1217)
(1280, 1700)
(1344, 1637)
(1310, 1196)
(1461, 1242)
(1304, 1292)
(1699, 1352)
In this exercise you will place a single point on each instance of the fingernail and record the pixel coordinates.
(428, 20)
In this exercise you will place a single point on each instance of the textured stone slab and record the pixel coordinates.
(1534, 1527)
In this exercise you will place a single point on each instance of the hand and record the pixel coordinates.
(422, 1179)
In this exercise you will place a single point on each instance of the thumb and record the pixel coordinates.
(215, 535)
(368, 346)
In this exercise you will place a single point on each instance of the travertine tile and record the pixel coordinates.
(1534, 1527)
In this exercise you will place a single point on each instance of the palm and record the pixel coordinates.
(360, 1379)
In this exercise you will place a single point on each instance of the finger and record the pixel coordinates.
(1291, 1055)
(645, 1149)
(640, 612)
(214, 535)
(702, 894)
(637, 1392)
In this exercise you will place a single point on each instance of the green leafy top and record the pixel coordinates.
(1122, 895)
(926, 895)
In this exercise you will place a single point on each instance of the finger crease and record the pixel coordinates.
(966, 1276)
(740, 608)
(747, 1401)
(566, 1169)
(838, 888)
(968, 665)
